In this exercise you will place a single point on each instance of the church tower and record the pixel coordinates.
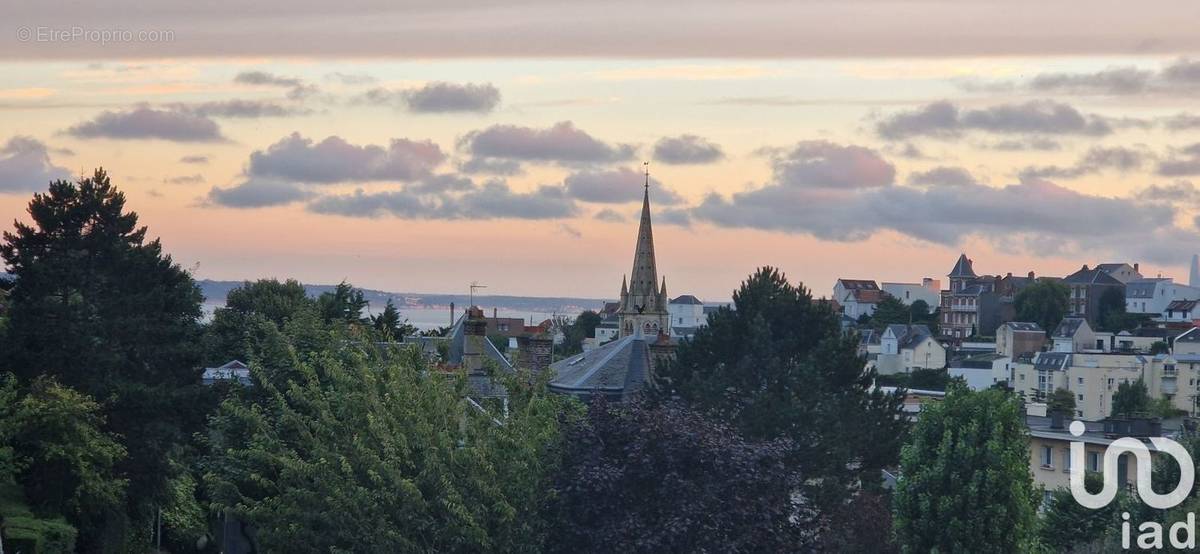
(643, 299)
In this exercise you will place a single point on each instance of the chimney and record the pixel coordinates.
(495, 311)
(534, 351)
(474, 333)
(452, 314)
(1135, 267)
(1085, 268)
(1031, 276)
(1009, 276)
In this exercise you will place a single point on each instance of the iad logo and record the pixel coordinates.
(1151, 532)
(1187, 471)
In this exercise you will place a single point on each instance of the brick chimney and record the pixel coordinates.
(474, 333)
(534, 352)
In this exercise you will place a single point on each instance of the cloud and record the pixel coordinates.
(299, 89)
(686, 149)
(1030, 212)
(25, 166)
(616, 186)
(351, 78)
(149, 123)
(245, 109)
(1184, 161)
(334, 160)
(944, 119)
(610, 215)
(1179, 191)
(257, 194)
(199, 160)
(438, 97)
(1095, 160)
(942, 176)
(1110, 81)
(562, 143)
(184, 180)
(1182, 122)
(823, 164)
(569, 231)
(1027, 144)
(490, 166)
(492, 200)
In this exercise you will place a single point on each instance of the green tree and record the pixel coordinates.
(390, 324)
(778, 366)
(1066, 524)
(582, 327)
(890, 311)
(1111, 311)
(1061, 400)
(274, 300)
(965, 484)
(661, 478)
(1159, 347)
(63, 459)
(1131, 398)
(1045, 302)
(370, 456)
(345, 303)
(109, 314)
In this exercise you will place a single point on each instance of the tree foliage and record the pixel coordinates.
(108, 313)
(390, 324)
(345, 303)
(361, 455)
(1066, 524)
(1044, 302)
(778, 366)
(1131, 398)
(965, 483)
(1061, 400)
(662, 478)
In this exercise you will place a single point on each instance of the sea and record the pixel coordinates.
(432, 317)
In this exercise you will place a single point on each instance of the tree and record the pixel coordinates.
(63, 459)
(965, 483)
(345, 304)
(1111, 310)
(1066, 524)
(390, 324)
(890, 311)
(274, 300)
(1061, 400)
(1131, 399)
(582, 327)
(1159, 347)
(107, 313)
(778, 366)
(367, 455)
(662, 478)
(1044, 302)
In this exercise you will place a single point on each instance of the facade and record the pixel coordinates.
(687, 315)
(1151, 296)
(1181, 311)
(960, 303)
(1016, 338)
(929, 290)
(981, 371)
(643, 303)
(232, 371)
(1074, 334)
(857, 297)
(903, 348)
(1086, 287)
(1050, 451)
(1121, 271)
(1092, 377)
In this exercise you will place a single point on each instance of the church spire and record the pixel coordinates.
(644, 278)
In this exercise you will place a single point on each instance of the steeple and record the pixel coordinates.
(645, 273)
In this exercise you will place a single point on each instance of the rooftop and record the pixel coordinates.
(616, 369)
(687, 299)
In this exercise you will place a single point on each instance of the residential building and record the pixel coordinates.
(929, 290)
(1086, 286)
(687, 315)
(981, 371)
(1181, 311)
(857, 297)
(1050, 441)
(1092, 377)
(1151, 296)
(616, 370)
(643, 303)
(1017, 338)
(903, 348)
(1121, 271)
(1074, 334)
(233, 371)
(960, 303)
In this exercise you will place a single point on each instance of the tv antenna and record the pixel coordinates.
(475, 285)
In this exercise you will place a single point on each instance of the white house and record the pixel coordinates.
(1181, 311)
(929, 290)
(1075, 335)
(908, 347)
(687, 315)
(234, 370)
(1151, 296)
(982, 371)
(857, 297)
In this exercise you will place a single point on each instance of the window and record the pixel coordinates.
(1093, 461)
(1066, 458)
(1080, 397)
(1047, 457)
(1079, 380)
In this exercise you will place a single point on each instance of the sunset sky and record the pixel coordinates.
(419, 146)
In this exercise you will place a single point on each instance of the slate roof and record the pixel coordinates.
(858, 284)
(866, 296)
(1094, 276)
(962, 268)
(1141, 288)
(1023, 326)
(1052, 361)
(1110, 267)
(457, 338)
(1068, 327)
(687, 299)
(1182, 305)
(617, 369)
(909, 336)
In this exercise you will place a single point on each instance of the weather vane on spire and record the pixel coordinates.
(646, 170)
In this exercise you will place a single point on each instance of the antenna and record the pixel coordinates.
(475, 285)
(646, 171)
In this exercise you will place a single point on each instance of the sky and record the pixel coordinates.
(419, 146)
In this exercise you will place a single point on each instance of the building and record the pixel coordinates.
(1074, 334)
(1050, 441)
(1092, 377)
(960, 303)
(687, 315)
(1151, 296)
(981, 371)
(929, 290)
(643, 303)
(1017, 338)
(1086, 286)
(1181, 311)
(1121, 271)
(857, 297)
(903, 348)
(233, 371)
